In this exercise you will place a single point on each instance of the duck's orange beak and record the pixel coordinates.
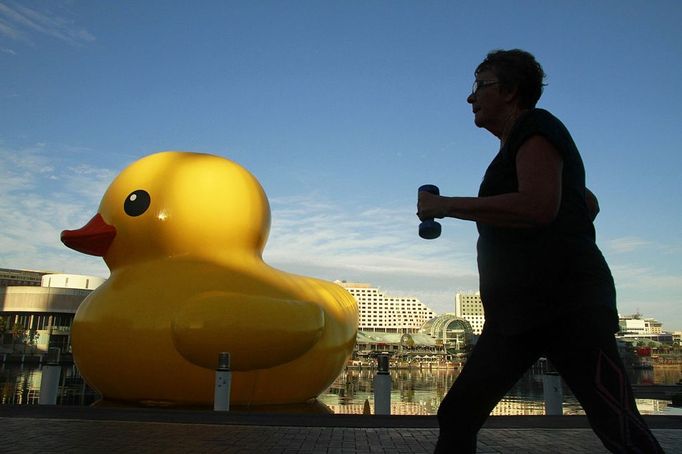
(94, 238)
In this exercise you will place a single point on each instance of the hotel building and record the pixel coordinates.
(469, 307)
(387, 314)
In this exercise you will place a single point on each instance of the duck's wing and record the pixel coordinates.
(257, 331)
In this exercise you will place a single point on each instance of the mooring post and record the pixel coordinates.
(554, 396)
(223, 383)
(49, 381)
(382, 387)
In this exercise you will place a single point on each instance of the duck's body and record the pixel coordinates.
(187, 282)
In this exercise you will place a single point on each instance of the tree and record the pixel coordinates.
(4, 323)
(31, 340)
(18, 334)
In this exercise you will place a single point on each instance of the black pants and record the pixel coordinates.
(585, 353)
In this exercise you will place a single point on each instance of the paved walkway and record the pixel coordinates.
(32, 429)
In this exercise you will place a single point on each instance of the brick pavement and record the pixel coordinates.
(88, 430)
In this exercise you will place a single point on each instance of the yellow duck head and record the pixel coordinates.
(164, 206)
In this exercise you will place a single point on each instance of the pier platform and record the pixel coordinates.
(28, 429)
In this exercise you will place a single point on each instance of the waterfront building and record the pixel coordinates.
(635, 328)
(440, 339)
(382, 313)
(10, 277)
(636, 324)
(632, 325)
(37, 317)
(396, 344)
(468, 306)
(454, 333)
(677, 338)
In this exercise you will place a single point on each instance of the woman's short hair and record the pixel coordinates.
(518, 69)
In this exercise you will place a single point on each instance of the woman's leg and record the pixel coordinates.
(495, 365)
(593, 369)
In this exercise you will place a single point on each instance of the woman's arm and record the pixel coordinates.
(538, 166)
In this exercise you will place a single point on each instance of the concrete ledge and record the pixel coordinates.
(184, 416)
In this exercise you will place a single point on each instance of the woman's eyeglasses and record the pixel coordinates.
(478, 84)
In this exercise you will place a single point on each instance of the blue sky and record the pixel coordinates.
(341, 109)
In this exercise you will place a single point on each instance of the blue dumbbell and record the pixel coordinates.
(429, 229)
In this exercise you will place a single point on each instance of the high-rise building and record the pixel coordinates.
(387, 314)
(10, 277)
(469, 307)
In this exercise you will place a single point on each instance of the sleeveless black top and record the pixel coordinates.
(532, 276)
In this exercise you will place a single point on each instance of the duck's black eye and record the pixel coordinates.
(137, 202)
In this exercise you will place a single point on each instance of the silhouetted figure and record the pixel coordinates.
(545, 286)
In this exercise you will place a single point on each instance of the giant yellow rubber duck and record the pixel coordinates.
(183, 234)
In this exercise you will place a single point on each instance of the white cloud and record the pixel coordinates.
(6, 29)
(46, 190)
(45, 194)
(20, 23)
(39, 201)
(646, 278)
(377, 245)
(626, 244)
(653, 292)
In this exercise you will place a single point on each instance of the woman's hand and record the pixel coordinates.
(430, 206)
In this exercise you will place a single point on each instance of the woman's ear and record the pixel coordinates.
(511, 95)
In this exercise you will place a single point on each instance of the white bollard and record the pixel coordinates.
(49, 381)
(554, 396)
(382, 387)
(223, 383)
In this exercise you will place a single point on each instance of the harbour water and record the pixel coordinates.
(20, 385)
(419, 392)
(415, 391)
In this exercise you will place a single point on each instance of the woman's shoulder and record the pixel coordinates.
(539, 117)
(540, 122)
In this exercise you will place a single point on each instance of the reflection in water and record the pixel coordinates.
(419, 392)
(414, 391)
(20, 385)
